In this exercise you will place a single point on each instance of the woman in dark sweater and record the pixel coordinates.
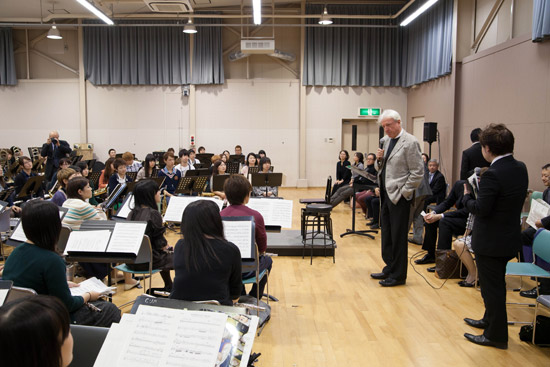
(146, 199)
(343, 174)
(36, 265)
(207, 266)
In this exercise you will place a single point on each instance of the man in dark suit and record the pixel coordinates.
(437, 184)
(400, 171)
(528, 235)
(449, 224)
(54, 149)
(496, 236)
(472, 157)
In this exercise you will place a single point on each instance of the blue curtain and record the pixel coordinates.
(208, 53)
(136, 55)
(384, 56)
(7, 59)
(541, 20)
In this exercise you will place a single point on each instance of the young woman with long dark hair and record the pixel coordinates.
(343, 174)
(146, 171)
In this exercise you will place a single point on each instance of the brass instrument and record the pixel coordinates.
(99, 192)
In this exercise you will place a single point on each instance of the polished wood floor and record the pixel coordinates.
(336, 315)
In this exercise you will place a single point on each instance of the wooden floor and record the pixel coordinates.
(336, 315)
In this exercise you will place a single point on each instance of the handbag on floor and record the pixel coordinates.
(447, 265)
(542, 335)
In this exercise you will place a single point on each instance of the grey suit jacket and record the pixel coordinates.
(405, 168)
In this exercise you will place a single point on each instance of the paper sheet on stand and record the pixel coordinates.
(239, 233)
(177, 206)
(88, 241)
(276, 212)
(127, 237)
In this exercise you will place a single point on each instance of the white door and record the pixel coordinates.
(366, 136)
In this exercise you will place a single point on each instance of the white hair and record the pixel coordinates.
(434, 161)
(389, 114)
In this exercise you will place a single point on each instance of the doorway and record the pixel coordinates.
(360, 135)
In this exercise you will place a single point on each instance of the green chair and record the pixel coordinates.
(541, 248)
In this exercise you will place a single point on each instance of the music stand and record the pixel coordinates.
(185, 185)
(254, 169)
(93, 177)
(205, 158)
(78, 158)
(155, 173)
(192, 173)
(5, 195)
(203, 171)
(267, 179)
(356, 188)
(232, 167)
(199, 185)
(158, 180)
(159, 157)
(31, 187)
(90, 163)
(218, 181)
(238, 158)
(37, 163)
(12, 170)
(132, 175)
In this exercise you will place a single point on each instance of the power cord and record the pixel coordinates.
(422, 252)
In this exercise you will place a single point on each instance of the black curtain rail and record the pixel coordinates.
(181, 25)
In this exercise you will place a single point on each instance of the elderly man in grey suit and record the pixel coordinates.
(400, 172)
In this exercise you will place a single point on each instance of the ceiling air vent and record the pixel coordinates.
(258, 46)
(169, 6)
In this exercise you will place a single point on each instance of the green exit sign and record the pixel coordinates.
(369, 112)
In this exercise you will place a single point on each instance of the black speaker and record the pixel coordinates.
(430, 132)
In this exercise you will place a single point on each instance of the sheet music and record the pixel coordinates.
(177, 205)
(171, 337)
(275, 212)
(127, 237)
(3, 295)
(111, 349)
(19, 234)
(88, 241)
(89, 285)
(539, 209)
(127, 207)
(239, 233)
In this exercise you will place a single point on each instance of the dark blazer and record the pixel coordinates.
(454, 198)
(546, 220)
(502, 191)
(62, 151)
(113, 181)
(472, 158)
(438, 186)
(342, 172)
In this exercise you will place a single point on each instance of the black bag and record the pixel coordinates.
(542, 335)
(447, 265)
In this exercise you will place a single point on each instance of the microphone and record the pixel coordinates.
(477, 171)
(382, 143)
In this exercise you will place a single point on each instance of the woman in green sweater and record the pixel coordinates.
(36, 265)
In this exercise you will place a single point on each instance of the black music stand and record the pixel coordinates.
(78, 158)
(267, 179)
(218, 181)
(159, 157)
(31, 187)
(132, 175)
(158, 180)
(93, 177)
(199, 184)
(254, 169)
(192, 173)
(205, 158)
(238, 158)
(185, 185)
(356, 188)
(232, 167)
(90, 163)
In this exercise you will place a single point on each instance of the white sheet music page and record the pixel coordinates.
(276, 212)
(88, 241)
(177, 205)
(124, 212)
(239, 233)
(127, 237)
(170, 337)
(89, 285)
(18, 234)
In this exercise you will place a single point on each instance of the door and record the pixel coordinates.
(418, 131)
(360, 136)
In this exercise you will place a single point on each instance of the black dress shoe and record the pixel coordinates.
(464, 283)
(482, 340)
(370, 223)
(431, 270)
(390, 282)
(379, 275)
(531, 293)
(480, 324)
(375, 226)
(427, 259)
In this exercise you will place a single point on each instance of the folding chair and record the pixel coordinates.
(20, 292)
(545, 301)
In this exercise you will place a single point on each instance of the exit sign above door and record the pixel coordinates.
(369, 112)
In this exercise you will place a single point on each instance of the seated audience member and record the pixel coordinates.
(437, 184)
(238, 189)
(83, 166)
(192, 159)
(63, 163)
(35, 264)
(361, 196)
(201, 150)
(207, 266)
(219, 168)
(147, 198)
(449, 223)
(343, 174)
(35, 332)
(119, 176)
(131, 164)
(172, 175)
(373, 206)
(344, 192)
(184, 164)
(528, 235)
(265, 191)
(106, 173)
(261, 154)
(23, 176)
(251, 161)
(148, 166)
(112, 153)
(63, 178)
(472, 157)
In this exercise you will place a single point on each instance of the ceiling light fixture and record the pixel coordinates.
(257, 11)
(96, 11)
(419, 11)
(53, 33)
(190, 27)
(325, 19)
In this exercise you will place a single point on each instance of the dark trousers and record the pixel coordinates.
(373, 208)
(527, 237)
(447, 228)
(394, 220)
(265, 264)
(491, 272)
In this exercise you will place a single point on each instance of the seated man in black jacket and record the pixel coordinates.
(21, 179)
(437, 184)
(449, 224)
